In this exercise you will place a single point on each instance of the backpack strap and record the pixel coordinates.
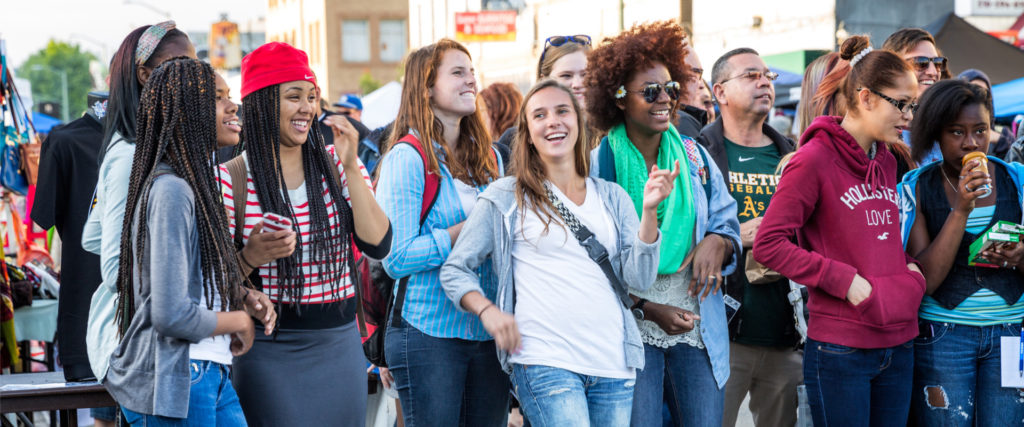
(606, 161)
(239, 194)
(431, 189)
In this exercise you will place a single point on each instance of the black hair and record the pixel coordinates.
(940, 105)
(178, 126)
(721, 66)
(329, 239)
(125, 87)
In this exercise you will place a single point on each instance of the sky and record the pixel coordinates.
(99, 26)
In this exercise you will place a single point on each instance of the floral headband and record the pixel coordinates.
(150, 40)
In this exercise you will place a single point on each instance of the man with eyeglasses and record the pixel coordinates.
(918, 48)
(692, 117)
(762, 358)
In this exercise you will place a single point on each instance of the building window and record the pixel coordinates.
(392, 40)
(355, 41)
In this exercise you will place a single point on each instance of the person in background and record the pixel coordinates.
(442, 360)
(633, 86)
(833, 225)
(967, 308)
(707, 100)
(563, 59)
(502, 102)
(692, 114)
(179, 287)
(568, 340)
(306, 270)
(999, 142)
(808, 109)
(918, 48)
(140, 53)
(350, 105)
(762, 356)
(1016, 151)
(68, 169)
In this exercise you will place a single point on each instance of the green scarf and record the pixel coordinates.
(676, 214)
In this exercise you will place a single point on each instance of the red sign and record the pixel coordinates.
(487, 26)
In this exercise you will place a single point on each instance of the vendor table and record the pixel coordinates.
(47, 391)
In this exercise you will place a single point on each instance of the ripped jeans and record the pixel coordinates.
(557, 397)
(956, 377)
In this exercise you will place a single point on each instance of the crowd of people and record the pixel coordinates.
(624, 244)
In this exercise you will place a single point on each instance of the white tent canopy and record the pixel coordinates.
(380, 107)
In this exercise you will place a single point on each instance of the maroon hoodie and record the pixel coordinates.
(842, 209)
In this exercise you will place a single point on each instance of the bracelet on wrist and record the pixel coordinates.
(482, 310)
(241, 255)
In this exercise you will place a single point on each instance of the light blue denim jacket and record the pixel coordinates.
(488, 233)
(720, 218)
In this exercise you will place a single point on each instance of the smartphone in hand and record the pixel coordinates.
(273, 222)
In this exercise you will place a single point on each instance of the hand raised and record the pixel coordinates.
(660, 183)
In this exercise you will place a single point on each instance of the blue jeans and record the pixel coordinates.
(957, 377)
(211, 401)
(441, 380)
(682, 376)
(849, 386)
(557, 397)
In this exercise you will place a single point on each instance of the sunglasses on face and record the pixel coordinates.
(904, 106)
(755, 76)
(653, 90)
(555, 41)
(921, 62)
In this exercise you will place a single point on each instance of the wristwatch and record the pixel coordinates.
(638, 309)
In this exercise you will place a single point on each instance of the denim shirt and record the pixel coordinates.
(418, 252)
(719, 218)
(488, 234)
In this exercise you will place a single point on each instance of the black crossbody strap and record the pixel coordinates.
(595, 250)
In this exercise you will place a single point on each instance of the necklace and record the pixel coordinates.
(943, 169)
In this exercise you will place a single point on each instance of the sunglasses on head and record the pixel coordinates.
(921, 62)
(653, 90)
(556, 41)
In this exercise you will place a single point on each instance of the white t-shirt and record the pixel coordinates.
(467, 195)
(216, 348)
(567, 313)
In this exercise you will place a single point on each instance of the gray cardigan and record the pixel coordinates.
(149, 369)
(488, 232)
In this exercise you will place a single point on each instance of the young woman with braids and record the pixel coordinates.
(633, 89)
(140, 53)
(178, 284)
(559, 322)
(442, 359)
(313, 371)
(834, 226)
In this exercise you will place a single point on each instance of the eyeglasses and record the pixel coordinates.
(556, 41)
(754, 76)
(904, 106)
(653, 90)
(921, 62)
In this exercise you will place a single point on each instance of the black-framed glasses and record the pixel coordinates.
(555, 41)
(653, 90)
(921, 62)
(904, 106)
(754, 76)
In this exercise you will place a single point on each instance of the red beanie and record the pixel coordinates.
(274, 63)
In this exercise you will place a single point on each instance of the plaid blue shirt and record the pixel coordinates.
(419, 252)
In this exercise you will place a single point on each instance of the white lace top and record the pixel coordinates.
(670, 290)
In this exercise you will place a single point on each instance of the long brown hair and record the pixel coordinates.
(814, 76)
(502, 101)
(471, 161)
(527, 166)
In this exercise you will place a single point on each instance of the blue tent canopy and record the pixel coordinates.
(787, 88)
(43, 122)
(1009, 98)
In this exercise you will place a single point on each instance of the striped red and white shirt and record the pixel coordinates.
(317, 288)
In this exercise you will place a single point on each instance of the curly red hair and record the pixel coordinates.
(612, 63)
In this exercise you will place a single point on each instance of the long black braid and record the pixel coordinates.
(330, 241)
(177, 126)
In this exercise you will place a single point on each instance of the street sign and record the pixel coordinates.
(486, 26)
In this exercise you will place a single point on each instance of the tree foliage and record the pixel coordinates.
(44, 68)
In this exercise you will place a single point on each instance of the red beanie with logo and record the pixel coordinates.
(274, 63)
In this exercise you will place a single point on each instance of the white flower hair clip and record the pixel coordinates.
(621, 92)
(860, 56)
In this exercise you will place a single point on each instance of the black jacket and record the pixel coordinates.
(691, 120)
(712, 137)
